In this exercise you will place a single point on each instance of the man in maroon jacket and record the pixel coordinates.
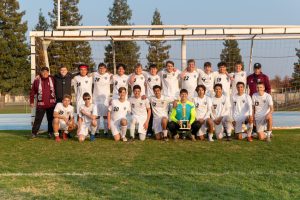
(258, 77)
(43, 89)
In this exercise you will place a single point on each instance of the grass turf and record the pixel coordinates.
(104, 169)
(12, 109)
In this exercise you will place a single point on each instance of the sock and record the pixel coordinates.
(269, 133)
(56, 134)
(132, 129)
(210, 136)
(93, 131)
(165, 133)
(98, 128)
(228, 132)
(249, 131)
(123, 131)
(105, 125)
(142, 136)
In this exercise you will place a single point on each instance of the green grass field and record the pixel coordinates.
(11, 109)
(104, 169)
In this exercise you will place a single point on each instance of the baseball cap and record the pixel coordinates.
(257, 65)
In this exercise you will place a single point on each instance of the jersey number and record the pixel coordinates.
(186, 78)
(116, 109)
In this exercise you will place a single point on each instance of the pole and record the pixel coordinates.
(183, 53)
(251, 54)
(32, 70)
(114, 56)
(58, 14)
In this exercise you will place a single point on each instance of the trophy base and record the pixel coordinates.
(184, 125)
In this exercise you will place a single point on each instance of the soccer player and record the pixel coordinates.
(185, 110)
(120, 80)
(221, 113)
(237, 76)
(263, 109)
(221, 77)
(206, 78)
(189, 78)
(141, 112)
(63, 118)
(137, 78)
(159, 104)
(82, 83)
(116, 115)
(242, 112)
(87, 119)
(203, 106)
(101, 93)
(152, 79)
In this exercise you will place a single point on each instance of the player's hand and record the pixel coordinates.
(108, 125)
(131, 80)
(189, 125)
(66, 120)
(144, 97)
(231, 78)
(32, 105)
(182, 75)
(175, 103)
(180, 123)
(174, 69)
(233, 123)
(146, 125)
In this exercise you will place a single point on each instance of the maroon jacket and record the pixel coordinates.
(46, 97)
(253, 79)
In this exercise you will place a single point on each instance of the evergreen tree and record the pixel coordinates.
(42, 25)
(231, 54)
(14, 52)
(296, 74)
(158, 52)
(125, 52)
(68, 53)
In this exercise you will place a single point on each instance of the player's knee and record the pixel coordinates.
(117, 137)
(123, 122)
(158, 136)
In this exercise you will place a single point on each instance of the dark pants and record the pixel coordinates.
(39, 115)
(150, 124)
(174, 127)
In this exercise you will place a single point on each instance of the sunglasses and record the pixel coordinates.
(86, 99)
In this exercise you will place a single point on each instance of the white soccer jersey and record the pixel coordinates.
(220, 107)
(160, 106)
(139, 106)
(67, 112)
(189, 82)
(139, 80)
(207, 80)
(224, 80)
(92, 109)
(119, 81)
(203, 107)
(241, 106)
(101, 87)
(119, 109)
(238, 77)
(170, 83)
(150, 82)
(82, 84)
(262, 104)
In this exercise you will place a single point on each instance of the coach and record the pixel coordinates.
(258, 77)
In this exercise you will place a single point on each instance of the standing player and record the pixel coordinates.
(120, 80)
(203, 106)
(242, 112)
(263, 109)
(116, 115)
(87, 119)
(137, 78)
(101, 93)
(189, 78)
(159, 104)
(206, 78)
(221, 77)
(82, 83)
(140, 109)
(221, 113)
(238, 76)
(63, 118)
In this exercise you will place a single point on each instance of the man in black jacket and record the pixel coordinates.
(62, 83)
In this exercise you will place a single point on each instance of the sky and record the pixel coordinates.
(274, 55)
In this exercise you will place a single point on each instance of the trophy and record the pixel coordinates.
(184, 121)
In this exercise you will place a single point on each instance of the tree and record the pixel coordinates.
(125, 52)
(231, 54)
(14, 52)
(158, 52)
(68, 53)
(296, 73)
(42, 25)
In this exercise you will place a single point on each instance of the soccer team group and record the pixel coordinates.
(200, 104)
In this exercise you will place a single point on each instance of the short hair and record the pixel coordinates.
(136, 87)
(170, 62)
(207, 64)
(183, 91)
(191, 61)
(220, 64)
(240, 83)
(153, 66)
(200, 86)
(102, 65)
(137, 65)
(86, 94)
(121, 89)
(121, 65)
(239, 63)
(44, 69)
(156, 87)
(218, 85)
(62, 66)
(67, 96)
(260, 83)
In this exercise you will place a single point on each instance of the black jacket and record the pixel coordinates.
(62, 85)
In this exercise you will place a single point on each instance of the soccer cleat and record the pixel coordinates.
(57, 138)
(176, 137)
(124, 139)
(92, 138)
(65, 136)
(268, 139)
(166, 139)
(249, 139)
(131, 139)
(228, 138)
(105, 134)
(33, 136)
(50, 135)
(193, 138)
(210, 139)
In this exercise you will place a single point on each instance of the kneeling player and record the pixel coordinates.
(263, 109)
(242, 112)
(116, 115)
(87, 120)
(63, 118)
(159, 104)
(141, 112)
(203, 110)
(221, 113)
